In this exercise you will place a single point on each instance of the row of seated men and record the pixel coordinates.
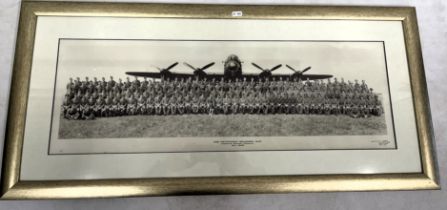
(80, 107)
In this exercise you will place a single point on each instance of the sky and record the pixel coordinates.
(104, 58)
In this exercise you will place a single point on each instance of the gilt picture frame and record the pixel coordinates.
(191, 106)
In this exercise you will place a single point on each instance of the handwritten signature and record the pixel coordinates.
(381, 142)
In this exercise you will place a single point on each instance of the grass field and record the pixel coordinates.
(220, 125)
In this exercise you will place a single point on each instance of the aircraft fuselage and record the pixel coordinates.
(232, 67)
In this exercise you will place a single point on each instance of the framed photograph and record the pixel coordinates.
(127, 99)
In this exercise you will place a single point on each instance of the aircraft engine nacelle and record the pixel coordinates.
(232, 67)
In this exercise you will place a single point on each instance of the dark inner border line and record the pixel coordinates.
(204, 40)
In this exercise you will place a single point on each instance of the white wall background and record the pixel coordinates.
(433, 31)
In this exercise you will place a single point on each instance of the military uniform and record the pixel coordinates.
(110, 98)
(180, 105)
(158, 105)
(234, 105)
(226, 105)
(195, 105)
(173, 105)
(165, 105)
(141, 105)
(149, 105)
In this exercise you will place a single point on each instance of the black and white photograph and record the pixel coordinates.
(224, 95)
(133, 99)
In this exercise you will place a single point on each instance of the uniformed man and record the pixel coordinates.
(218, 103)
(363, 107)
(269, 102)
(82, 87)
(149, 105)
(327, 106)
(210, 104)
(195, 106)
(335, 108)
(347, 105)
(308, 82)
(141, 105)
(187, 103)
(158, 105)
(70, 85)
(355, 109)
(275, 99)
(299, 104)
(265, 102)
(292, 103)
(180, 105)
(114, 109)
(244, 103)
(73, 112)
(88, 113)
(341, 103)
(370, 107)
(312, 103)
(364, 86)
(132, 105)
(122, 106)
(170, 107)
(250, 103)
(82, 106)
(66, 105)
(106, 109)
(98, 107)
(111, 81)
(285, 108)
(319, 101)
(306, 103)
(356, 86)
(265, 85)
(165, 105)
(257, 100)
(202, 104)
(378, 110)
(234, 104)
(226, 104)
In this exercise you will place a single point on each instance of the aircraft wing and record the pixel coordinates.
(157, 75)
(144, 74)
(288, 76)
(219, 76)
(315, 76)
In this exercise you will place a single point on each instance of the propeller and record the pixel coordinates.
(199, 71)
(298, 73)
(170, 67)
(166, 71)
(266, 72)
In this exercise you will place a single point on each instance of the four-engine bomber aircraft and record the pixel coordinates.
(232, 71)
